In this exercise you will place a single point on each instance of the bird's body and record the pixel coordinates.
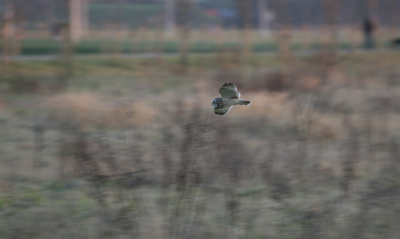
(230, 97)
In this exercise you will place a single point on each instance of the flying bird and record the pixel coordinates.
(230, 97)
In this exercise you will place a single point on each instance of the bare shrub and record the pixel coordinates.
(39, 145)
(268, 163)
(87, 109)
(297, 79)
(350, 158)
(321, 131)
(167, 162)
(280, 186)
(193, 143)
(78, 108)
(389, 102)
(308, 82)
(299, 161)
(273, 81)
(323, 58)
(87, 166)
(227, 76)
(394, 149)
(24, 84)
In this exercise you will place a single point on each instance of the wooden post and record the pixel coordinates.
(169, 17)
(331, 12)
(264, 18)
(284, 33)
(68, 49)
(159, 43)
(7, 36)
(85, 17)
(183, 13)
(76, 19)
(245, 12)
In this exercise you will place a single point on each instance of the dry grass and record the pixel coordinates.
(86, 109)
(275, 105)
(317, 158)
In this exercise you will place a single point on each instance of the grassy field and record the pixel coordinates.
(131, 148)
(115, 39)
(48, 46)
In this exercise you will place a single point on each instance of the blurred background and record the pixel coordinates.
(107, 128)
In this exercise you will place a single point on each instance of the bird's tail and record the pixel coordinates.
(244, 102)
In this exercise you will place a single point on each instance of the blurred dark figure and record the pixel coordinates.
(56, 29)
(395, 42)
(369, 27)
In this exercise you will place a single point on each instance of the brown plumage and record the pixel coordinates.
(230, 97)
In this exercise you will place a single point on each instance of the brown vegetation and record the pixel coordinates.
(315, 156)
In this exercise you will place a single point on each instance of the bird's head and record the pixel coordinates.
(214, 103)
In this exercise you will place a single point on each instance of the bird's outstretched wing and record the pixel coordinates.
(222, 111)
(229, 90)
